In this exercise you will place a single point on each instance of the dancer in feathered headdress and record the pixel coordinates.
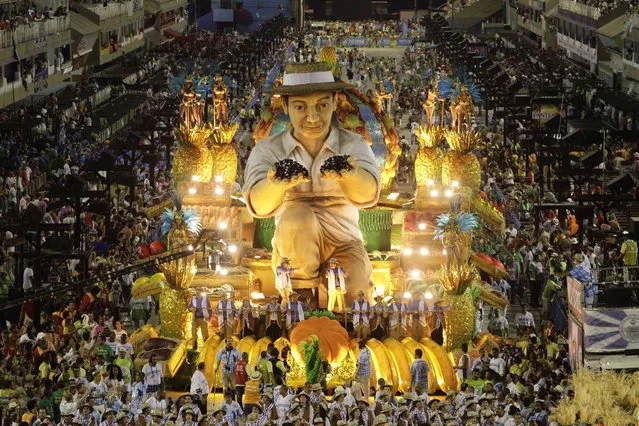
(180, 226)
(454, 230)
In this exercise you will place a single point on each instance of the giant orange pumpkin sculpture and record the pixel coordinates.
(333, 338)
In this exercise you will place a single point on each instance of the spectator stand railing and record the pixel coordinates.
(34, 30)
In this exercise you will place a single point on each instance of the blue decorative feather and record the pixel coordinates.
(474, 91)
(192, 221)
(167, 220)
(464, 222)
(445, 87)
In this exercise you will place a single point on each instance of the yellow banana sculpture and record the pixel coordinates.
(257, 349)
(246, 344)
(443, 367)
(433, 380)
(207, 356)
(382, 365)
(401, 363)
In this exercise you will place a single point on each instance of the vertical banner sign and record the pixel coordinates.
(575, 298)
(575, 343)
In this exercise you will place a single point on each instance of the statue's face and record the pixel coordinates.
(311, 114)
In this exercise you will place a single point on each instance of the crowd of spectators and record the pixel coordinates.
(68, 359)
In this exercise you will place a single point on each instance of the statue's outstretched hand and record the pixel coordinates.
(285, 183)
(339, 167)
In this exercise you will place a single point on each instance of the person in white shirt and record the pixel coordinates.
(199, 384)
(27, 278)
(283, 401)
(152, 375)
(525, 319)
(497, 363)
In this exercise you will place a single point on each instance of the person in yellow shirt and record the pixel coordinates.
(45, 365)
(628, 253)
(252, 391)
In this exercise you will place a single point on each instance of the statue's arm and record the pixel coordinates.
(264, 193)
(265, 197)
(362, 187)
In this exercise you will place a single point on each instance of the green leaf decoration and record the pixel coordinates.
(327, 314)
(312, 359)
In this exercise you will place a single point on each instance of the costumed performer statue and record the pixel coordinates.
(226, 313)
(283, 274)
(201, 308)
(317, 216)
(336, 278)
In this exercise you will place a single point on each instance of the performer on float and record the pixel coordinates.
(396, 313)
(417, 309)
(294, 313)
(273, 319)
(316, 213)
(201, 308)
(378, 314)
(283, 274)
(361, 311)
(247, 316)
(336, 276)
(226, 314)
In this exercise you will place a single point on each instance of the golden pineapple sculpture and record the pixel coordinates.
(181, 229)
(224, 156)
(329, 56)
(460, 164)
(459, 320)
(193, 156)
(428, 162)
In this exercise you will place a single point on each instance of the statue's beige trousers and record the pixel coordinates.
(300, 237)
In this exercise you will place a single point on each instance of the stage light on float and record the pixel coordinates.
(224, 271)
(455, 183)
(407, 295)
(428, 295)
(423, 251)
(408, 251)
(430, 182)
(415, 273)
(218, 179)
(194, 269)
(232, 248)
(448, 193)
(195, 178)
(222, 225)
(444, 252)
(392, 196)
(192, 191)
(190, 247)
(380, 290)
(219, 190)
(203, 294)
(422, 226)
(434, 193)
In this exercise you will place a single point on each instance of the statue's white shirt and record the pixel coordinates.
(338, 216)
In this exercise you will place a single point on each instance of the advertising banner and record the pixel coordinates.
(404, 41)
(575, 298)
(545, 111)
(356, 42)
(611, 330)
(575, 343)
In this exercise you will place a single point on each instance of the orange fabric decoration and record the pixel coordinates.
(333, 338)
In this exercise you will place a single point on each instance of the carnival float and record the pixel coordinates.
(418, 241)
